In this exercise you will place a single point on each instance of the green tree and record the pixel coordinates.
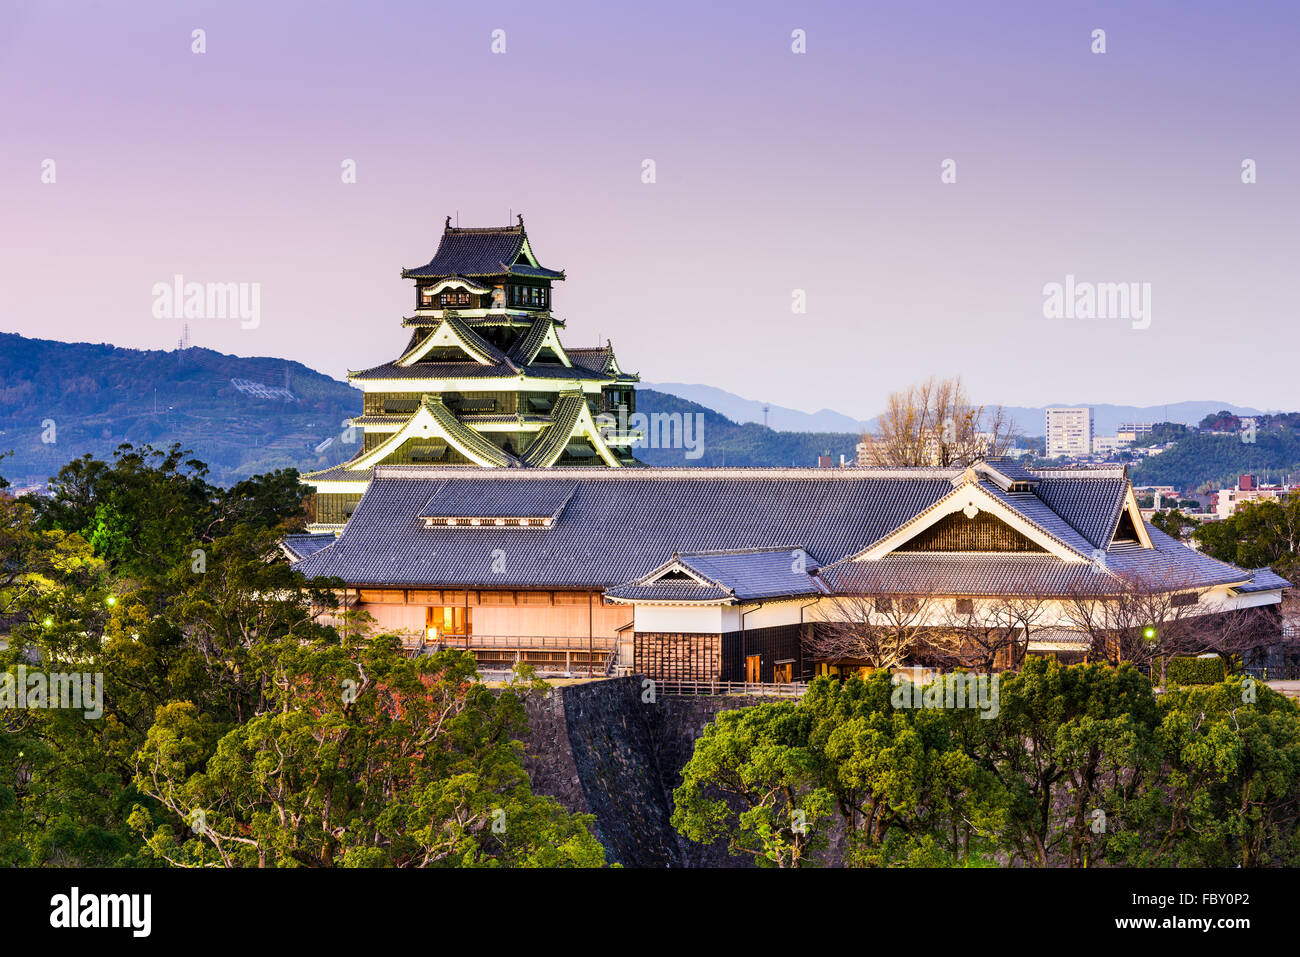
(754, 781)
(1231, 779)
(1173, 522)
(365, 758)
(905, 786)
(1073, 748)
(1257, 534)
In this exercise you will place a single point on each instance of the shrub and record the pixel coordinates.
(1195, 671)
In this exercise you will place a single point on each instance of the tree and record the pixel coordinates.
(1258, 534)
(223, 691)
(366, 757)
(875, 628)
(1231, 779)
(754, 781)
(934, 423)
(1173, 523)
(1072, 747)
(907, 790)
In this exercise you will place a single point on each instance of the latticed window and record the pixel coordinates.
(335, 508)
(957, 533)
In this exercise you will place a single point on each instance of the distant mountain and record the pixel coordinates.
(780, 418)
(59, 400)
(1029, 420)
(725, 442)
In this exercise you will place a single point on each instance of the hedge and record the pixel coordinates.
(1195, 671)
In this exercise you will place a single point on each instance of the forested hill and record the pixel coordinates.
(59, 400)
(1207, 460)
(727, 443)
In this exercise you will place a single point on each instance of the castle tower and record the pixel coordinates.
(484, 380)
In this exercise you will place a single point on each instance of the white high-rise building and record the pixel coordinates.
(1069, 432)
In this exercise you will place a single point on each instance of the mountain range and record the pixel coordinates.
(1029, 420)
(242, 416)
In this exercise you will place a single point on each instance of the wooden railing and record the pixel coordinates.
(676, 686)
(523, 642)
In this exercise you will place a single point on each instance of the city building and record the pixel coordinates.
(1130, 432)
(1225, 502)
(1069, 432)
(484, 381)
(1108, 444)
(733, 574)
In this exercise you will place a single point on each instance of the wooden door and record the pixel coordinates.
(751, 668)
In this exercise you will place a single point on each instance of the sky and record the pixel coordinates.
(781, 179)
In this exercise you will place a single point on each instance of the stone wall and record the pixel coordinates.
(597, 748)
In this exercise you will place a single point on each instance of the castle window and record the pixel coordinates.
(453, 297)
(529, 296)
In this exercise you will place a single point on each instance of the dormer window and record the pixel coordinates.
(451, 298)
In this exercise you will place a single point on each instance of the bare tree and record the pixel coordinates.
(1022, 615)
(934, 423)
(1147, 618)
(879, 630)
(983, 634)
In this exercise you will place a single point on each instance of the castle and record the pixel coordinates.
(484, 380)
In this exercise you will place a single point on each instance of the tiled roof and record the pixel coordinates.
(735, 528)
(465, 438)
(748, 575)
(1171, 563)
(478, 251)
(620, 523)
(527, 346)
(1089, 505)
(550, 442)
(926, 573)
(752, 575)
(1059, 639)
(300, 546)
(491, 500)
(472, 370)
(1037, 511)
(1265, 579)
(480, 347)
(537, 272)
(1011, 469)
(595, 358)
(673, 592)
(338, 473)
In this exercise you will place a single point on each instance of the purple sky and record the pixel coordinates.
(775, 172)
